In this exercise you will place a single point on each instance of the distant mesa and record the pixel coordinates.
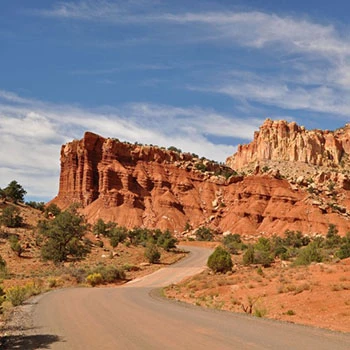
(255, 193)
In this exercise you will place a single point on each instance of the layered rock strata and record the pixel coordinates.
(283, 141)
(148, 186)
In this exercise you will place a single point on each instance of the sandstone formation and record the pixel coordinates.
(283, 141)
(137, 185)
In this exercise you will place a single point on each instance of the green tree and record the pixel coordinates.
(11, 217)
(220, 260)
(64, 237)
(14, 191)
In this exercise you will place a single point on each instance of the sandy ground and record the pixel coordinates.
(317, 295)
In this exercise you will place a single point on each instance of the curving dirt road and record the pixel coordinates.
(129, 317)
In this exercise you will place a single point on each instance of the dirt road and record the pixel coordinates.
(133, 317)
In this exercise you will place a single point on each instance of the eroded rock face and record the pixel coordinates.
(283, 141)
(136, 185)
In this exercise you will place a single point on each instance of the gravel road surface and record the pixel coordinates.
(134, 316)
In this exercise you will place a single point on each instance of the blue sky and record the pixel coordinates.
(200, 75)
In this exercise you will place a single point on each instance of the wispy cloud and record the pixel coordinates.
(254, 28)
(35, 130)
(112, 70)
(284, 92)
(313, 58)
(99, 10)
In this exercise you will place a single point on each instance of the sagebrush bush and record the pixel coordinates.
(309, 254)
(94, 279)
(152, 253)
(220, 260)
(109, 274)
(248, 256)
(17, 295)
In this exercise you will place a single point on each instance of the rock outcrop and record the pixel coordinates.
(283, 141)
(136, 185)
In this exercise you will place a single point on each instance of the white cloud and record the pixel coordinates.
(312, 58)
(33, 132)
(285, 93)
(254, 28)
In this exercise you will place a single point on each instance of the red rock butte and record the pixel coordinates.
(148, 186)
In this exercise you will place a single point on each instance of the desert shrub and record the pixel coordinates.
(130, 267)
(332, 238)
(201, 166)
(220, 260)
(260, 312)
(52, 282)
(2, 295)
(295, 239)
(11, 217)
(204, 234)
(188, 226)
(99, 244)
(3, 270)
(17, 295)
(52, 209)
(290, 313)
(233, 243)
(248, 256)
(15, 245)
(94, 279)
(78, 273)
(309, 254)
(174, 149)
(152, 253)
(344, 250)
(34, 287)
(109, 274)
(100, 228)
(140, 236)
(263, 257)
(263, 244)
(117, 235)
(36, 205)
(166, 240)
(263, 252)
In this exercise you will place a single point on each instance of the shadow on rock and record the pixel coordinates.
(28, 342)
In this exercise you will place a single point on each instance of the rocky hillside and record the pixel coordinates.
(137, 185)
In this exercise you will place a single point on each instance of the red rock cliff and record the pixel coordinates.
(283, 141)
(137, 185)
